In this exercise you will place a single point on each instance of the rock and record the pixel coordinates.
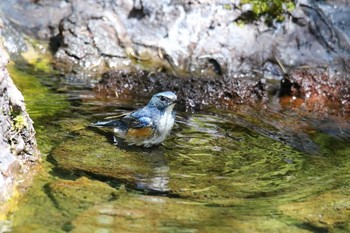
(47, 14)
(190, 36)
(18, 149)
(194, 93)
(195, 39)
(185, 34)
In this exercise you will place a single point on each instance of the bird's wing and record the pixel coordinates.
(138, 119)
(117, 117)
(137, 122)
(112, 121)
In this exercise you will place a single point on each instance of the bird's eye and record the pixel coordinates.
(162, 98)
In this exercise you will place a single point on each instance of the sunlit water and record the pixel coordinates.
(243, 170)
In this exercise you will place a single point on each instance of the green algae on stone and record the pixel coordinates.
(42, 104)
(58, 202)
(73, 196)
(200, 162)
(95, 154)
(328, 210)
(162, 214)
(224, 174)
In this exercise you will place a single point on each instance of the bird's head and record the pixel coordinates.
(163, 100)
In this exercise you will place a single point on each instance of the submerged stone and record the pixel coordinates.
(74, 196)
(330, 209)
(92, 153)
(58, 202)
(161, 214)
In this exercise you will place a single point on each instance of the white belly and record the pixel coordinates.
(166, 123)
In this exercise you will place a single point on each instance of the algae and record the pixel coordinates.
(162, 214)
(37, 57)
(57, 202)
(40, 101)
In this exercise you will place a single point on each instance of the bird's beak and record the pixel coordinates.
(174, 100)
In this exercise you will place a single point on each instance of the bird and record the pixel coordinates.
(147, 126)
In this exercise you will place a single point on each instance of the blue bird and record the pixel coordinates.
(149, 125)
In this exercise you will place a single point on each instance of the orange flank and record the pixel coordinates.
(139, 133)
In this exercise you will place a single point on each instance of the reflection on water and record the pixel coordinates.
(242, 170)
(158, 179)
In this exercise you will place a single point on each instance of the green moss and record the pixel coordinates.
(270, 9)
(228, 7)
(20, 122)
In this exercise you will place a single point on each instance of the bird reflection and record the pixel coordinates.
(157, 179)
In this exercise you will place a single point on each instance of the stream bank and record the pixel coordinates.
(18, 147)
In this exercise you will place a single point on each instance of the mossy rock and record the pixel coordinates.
(73, 196)
(93, 153)
(324, 211)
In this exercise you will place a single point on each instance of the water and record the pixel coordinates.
(243, 170)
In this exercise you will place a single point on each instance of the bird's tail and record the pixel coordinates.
(113, 123)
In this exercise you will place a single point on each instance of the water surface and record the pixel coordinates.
(248, 169)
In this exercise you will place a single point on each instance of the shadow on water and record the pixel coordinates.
(242, 170)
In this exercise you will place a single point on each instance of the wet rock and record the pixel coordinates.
(18, 147)
(318, 91)
(194, 93)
